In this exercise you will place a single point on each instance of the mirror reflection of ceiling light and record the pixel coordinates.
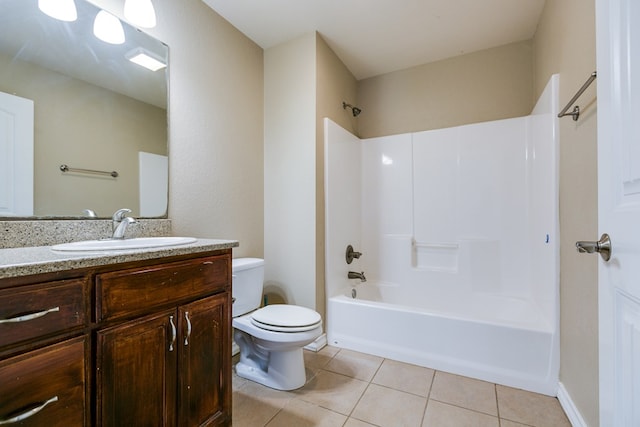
(145, 58)
(140, 13)
(64, 10)
(108, 28)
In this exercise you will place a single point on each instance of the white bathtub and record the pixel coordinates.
(490, 337)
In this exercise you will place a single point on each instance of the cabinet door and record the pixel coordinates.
(45, 387)
(205, 362)
(136, 372)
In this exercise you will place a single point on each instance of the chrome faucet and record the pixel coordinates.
(121, 222)
(356, 275)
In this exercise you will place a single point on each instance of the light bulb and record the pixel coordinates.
(63, 10)
(108, 28)
(140, 13)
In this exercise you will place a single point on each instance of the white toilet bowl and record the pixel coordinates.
(271, 341)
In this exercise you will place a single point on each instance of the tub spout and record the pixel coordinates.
(356, 275)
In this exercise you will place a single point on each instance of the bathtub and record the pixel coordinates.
(499, 339)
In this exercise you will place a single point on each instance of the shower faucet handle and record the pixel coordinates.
(351, 254)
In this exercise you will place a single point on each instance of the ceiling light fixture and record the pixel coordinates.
(108, 28)
(145, 58)
(140, 13)
(63, 10)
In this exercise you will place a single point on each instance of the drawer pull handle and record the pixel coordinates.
(28, 317)
(186, 317)
(173, 333)
(29, 413)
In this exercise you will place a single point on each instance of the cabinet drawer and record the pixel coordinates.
(39, 310)
(46, 387)
(135, 291)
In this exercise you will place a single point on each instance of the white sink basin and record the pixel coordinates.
(118, 245)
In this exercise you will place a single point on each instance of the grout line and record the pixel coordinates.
(495, 392)
(365, 390)
(464, 407)
(424, 413)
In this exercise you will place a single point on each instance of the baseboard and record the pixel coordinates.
(317, 345)
(570, 408)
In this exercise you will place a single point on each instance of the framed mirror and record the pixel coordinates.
(99, 120)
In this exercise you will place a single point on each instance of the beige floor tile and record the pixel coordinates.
(251, 412)
(530, 408)
(332, 391)
(352, 422)
(353, 364)
(444, 415)
(404, 377)
(508, 423)
(299, 413)
(464, 392)
(318, 360)
(390, 408)
(277, 398)
(237, 382)
(254, 404)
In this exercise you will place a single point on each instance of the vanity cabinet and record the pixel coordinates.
(138, 343)
(165, 358)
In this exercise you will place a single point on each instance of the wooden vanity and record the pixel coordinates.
(145, 342)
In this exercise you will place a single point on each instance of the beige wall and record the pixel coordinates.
(304, 82)
(488, 85)
(289, 171)
(565, 44)
(334, 84)
(71, 128)
(215, 124)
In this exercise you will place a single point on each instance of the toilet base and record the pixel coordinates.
(284, 371)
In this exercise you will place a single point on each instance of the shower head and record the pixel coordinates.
(354, 110)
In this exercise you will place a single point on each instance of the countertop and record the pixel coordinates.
(16, 262)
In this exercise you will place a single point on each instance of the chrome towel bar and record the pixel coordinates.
(576, 110)
(65, 168)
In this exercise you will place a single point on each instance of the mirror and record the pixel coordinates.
(93, 111)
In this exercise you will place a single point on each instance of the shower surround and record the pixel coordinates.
(459, 233)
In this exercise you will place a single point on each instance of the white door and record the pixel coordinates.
(154, 184)
(16, 155)
(618, 52)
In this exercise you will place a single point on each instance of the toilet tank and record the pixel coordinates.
(248, 277)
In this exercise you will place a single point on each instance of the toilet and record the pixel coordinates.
(270, 338)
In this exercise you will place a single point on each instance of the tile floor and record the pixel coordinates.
(351, 389)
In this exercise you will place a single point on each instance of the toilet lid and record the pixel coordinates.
(286, 318)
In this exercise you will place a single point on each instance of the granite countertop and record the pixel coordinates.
(16, 262)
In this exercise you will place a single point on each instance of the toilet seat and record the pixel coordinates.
(285, 318)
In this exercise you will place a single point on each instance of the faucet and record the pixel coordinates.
(356, 275)
(121, 222)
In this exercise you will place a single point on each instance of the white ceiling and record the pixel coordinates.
(374, 37)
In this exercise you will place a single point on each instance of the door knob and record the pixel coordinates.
(602, 246)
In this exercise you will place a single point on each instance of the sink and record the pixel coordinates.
(123, 244)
